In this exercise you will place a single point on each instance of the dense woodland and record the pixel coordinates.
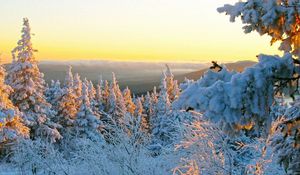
(226, 122)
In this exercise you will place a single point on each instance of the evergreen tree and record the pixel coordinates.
(53, 93)
(99, 95)
(69, 81)
(163, 103)
(106, 95)
(28, 85)
(130, 106)
(67, 109)
(154, 101)
(11, 122)
(77, 85)
(92, 92)
(87, 123)
(116, 102)
(140, 115)
(169, 83)
(148, 105)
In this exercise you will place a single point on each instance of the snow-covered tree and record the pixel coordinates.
(87, 122)
(92, 93)
(154, 100)
(167, 128)
(142, 117)
(69, 80)
(286, 138)
(279, 19)
(99, 95)
(171, 84)
(116, 102)
(148, 105)
(53, 93)
(105, 95)
(28, 84)
(163, 103)
(130, 106)
(77, 85)
(11, 122)
(67, 109)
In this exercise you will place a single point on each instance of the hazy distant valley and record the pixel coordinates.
(138, 76)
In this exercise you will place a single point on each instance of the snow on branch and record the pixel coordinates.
(238, 100)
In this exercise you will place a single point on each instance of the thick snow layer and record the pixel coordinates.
(235, 100)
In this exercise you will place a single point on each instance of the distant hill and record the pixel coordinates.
(140, 77)
(237, 66)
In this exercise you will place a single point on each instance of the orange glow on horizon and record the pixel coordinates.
(130, 31)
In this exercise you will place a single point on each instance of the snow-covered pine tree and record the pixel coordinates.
(28, 84)
(163, 103)
(53, 93)
(67, 109)
(92, 93)
(130, 106)
(77, 85)
(11, 122)
(67, 106)
(105, 95)
(162, 122)
(279, 19)
(139, 113)
(116, 103)
(69, 81)
(148, 105)
(171, 84)
(87, 122)
(99, 95)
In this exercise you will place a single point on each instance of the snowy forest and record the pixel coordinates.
(225, 123)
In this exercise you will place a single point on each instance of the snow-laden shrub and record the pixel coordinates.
(206, 149)
(38, 156)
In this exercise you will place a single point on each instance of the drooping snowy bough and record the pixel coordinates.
(238, 100)
(279, 19)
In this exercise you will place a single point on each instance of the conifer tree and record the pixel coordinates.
(67, 109)
(69, 81)
(172, 85)
(53, 93)
(154, 101)
(67, 106)
(92, 92)
(163, 103)
(28, 84)
(11, 122)
(148, 105)
(140, 115)
(105, 95)
(116, 102)
(99, 95)
(87, 122)
(130, 106)
(77, 85)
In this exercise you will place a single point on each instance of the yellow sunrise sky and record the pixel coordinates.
(130, 30)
